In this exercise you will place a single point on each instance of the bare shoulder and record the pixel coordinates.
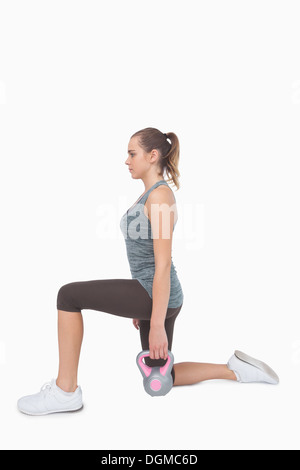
(161, 195)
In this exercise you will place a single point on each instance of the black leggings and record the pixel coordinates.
(122, 297)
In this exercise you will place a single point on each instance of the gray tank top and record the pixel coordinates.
(136, 229)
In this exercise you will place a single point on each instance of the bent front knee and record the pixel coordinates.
(66, 298)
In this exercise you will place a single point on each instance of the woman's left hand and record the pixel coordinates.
(136, 323)
(158, 342)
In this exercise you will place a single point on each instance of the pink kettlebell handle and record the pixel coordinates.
(147, 369)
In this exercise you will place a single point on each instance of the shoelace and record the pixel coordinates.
(47, 387)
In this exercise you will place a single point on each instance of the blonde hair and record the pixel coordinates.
(151, 138)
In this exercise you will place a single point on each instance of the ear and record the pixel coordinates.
(154, 157)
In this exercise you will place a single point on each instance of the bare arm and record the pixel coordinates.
(161, 217)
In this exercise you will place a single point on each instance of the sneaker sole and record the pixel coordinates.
(50, 412)
(259, 364)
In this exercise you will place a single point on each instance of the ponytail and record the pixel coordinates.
(171, 160)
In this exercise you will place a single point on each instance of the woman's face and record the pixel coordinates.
(138, 161)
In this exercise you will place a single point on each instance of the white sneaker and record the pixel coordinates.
(248, 369)
(51, 399)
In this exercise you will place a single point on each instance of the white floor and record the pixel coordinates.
(118, 414)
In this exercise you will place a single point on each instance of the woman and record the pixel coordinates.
(153, 297)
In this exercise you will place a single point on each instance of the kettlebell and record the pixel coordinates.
(157, 381)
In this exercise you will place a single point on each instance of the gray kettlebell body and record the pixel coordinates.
(157, 381)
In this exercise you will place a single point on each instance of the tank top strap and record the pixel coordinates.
(158, 183)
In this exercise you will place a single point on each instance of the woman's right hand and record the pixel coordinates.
(136, 323)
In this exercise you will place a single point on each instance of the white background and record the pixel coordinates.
(77, 79)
